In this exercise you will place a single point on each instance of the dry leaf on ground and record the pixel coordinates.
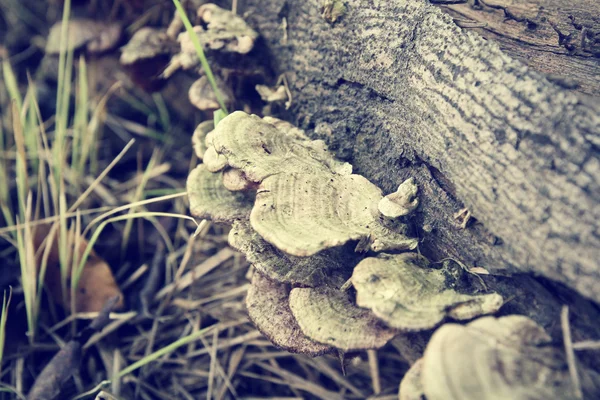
(96, 284)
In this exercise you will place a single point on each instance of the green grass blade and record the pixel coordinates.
(201, 55)
(11, 84)
(80, 129)
(3, 319)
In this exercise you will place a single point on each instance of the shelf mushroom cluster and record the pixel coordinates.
(490, 358)
(310, 227)
(217, 29)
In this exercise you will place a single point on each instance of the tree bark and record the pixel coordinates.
(398, 89)
(560, 38)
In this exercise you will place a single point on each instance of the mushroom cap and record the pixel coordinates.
(407, 294)
(260, 149)
(146, 43)
(494, 358)
(402, 202)
(213, 161)
(96, 36)
(411, 386)
(286, 127)
(328, 316)
(332, 268)
(202, 95)
(199, 137)
(225, 30)
(236, 181)
(271, 95)
(210, 199)
(268, 309)
(302, 214)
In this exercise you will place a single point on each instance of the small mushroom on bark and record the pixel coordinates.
(145, 44)
(202, 95)
(492, 358)
(236, 181)
(146, 55)
(199, 137)
(328, 316)
(271, 95)
(210, 199)
(213, 161)
(221, 30)
(96, 37)
(268, 309)
(406, 293)
(225, 30)
(331, 267)
(402, 202)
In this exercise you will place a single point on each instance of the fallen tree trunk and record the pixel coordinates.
(398, 89)
(556, 37)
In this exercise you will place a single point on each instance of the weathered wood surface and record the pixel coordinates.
(557, 37)
(399, 90)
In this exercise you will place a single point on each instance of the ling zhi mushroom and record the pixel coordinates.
(493, 358)
(306, 223)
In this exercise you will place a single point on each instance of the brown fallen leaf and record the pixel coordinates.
(96, 284)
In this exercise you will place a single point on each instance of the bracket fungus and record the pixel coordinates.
(331, 268)
(199, 137)
(202, 95)
(260, 149)
(489, 359)
(303, 214)
(96, 37)
(406, 293)
(225, 30)
(402, 202)
(328, 316)
(220, 30)
(145, 44)
(236, 181)
(307, 201)
(268, 308)
(210, 199)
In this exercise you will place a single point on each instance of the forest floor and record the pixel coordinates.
(81, 144)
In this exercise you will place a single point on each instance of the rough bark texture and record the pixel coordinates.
(557, 37)
(396, 88)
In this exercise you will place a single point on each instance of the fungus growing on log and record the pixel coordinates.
(236, 181)
(268, 309)
(96, 37)
(491, 358)
(199, 137)
(405, 292)
(225, 30)
(213, 161)
(210, 199)
(402, 202)
(260, 149)
(328, 316)
(145, 44)
(331, 267)
(220, 30)
(303, 214)
(203, 97)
